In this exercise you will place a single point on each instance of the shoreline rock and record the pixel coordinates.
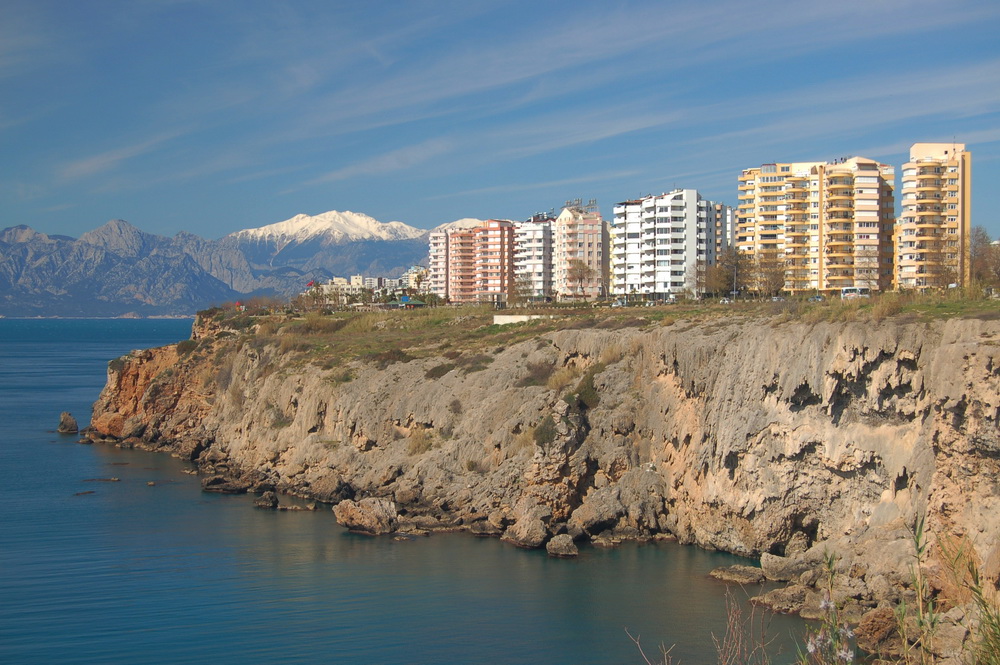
(67, 424)
(767, 439)
(373, 515)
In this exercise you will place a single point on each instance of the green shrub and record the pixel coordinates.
(587, 396)
(476, 363)
(538, 374)
(546, 431)
(383, 359)
(186, 346)
(439, 371)
(343, 376)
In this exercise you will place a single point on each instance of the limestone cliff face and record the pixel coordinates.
(760, 438)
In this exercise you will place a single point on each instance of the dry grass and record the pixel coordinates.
(563, 378)
(523, 440)
(465, 336)
(420, 441)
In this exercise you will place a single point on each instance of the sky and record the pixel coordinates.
(215, 116)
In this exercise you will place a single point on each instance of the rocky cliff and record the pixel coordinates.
(778, 440)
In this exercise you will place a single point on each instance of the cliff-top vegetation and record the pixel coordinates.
(464, 334)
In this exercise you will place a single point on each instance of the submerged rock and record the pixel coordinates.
(744, 575)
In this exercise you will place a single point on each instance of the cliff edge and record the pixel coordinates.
(770, 439)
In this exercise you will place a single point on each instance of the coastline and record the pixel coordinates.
(794, 441)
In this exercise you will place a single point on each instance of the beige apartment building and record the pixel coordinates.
(579, 262)
(829, 223)
(932, 234)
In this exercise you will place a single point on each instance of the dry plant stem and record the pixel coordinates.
(665, 658)
(746, 639)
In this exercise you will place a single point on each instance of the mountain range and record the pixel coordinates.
(118, 270)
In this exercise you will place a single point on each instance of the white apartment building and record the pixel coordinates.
(533, 257)
(437, 266)
(660, 243)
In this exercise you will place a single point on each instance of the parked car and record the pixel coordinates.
(777, 299)
(816, 298)
(725, 301)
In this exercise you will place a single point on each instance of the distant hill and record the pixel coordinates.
(118, 269)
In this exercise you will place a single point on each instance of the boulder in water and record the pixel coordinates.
(562, 546)
(67, 423)
(372, 515)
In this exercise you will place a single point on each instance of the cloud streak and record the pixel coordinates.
(106, 161)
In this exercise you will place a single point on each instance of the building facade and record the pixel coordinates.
(824, 225)
(933, 232)
(462, 266)
(661, 245)
(533, 258)
(494, 261)
(437, 264)
(578, 258)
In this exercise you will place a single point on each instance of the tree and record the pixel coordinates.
(769, 272)
(521, 292)
(980, 250)
(697, 278)
(579, 273)
(866, 266)
(993, 264)
(731, 272)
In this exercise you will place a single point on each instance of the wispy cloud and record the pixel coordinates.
(106, 161)
(394, 160)
(25, 43)
(524, 187)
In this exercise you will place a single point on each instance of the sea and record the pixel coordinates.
(116, 556)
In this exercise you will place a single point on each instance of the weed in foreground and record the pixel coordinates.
(830, 643)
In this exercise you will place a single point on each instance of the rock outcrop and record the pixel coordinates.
(373, 515)
(774, 440)
(67, 424)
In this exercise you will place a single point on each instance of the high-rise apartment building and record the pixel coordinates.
(544, 257)
(437, 264)
(826, 225)
(462, 265)
(578, 257)
(494, 261)
(660, 244)
(932, 235)
(533, 257)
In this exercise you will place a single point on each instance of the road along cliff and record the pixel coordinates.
(773, 439)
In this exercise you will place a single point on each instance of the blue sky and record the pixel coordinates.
(215, 116)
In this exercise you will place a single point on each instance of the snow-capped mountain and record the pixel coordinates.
(335, 226)
(118, 268)
(464, 223)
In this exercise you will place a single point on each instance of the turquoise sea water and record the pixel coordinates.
(133, 573)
